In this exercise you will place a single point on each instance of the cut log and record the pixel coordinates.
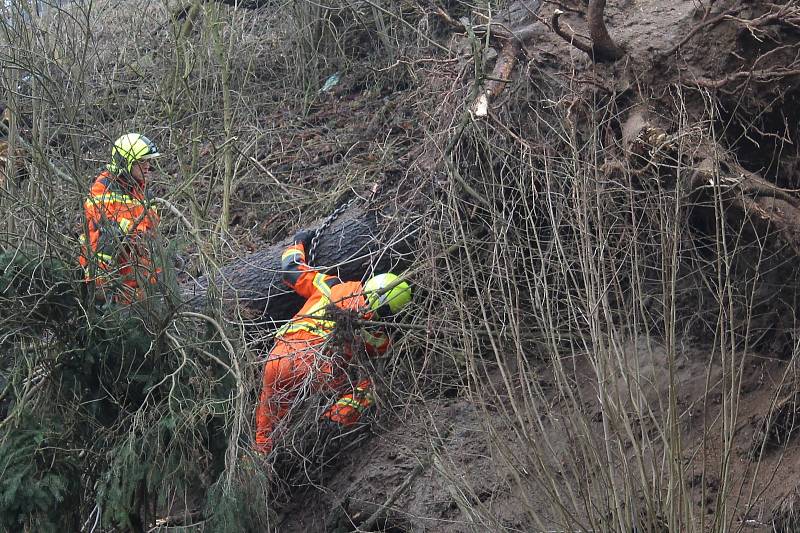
(355, 245)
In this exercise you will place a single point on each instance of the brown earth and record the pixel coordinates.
(462, 466)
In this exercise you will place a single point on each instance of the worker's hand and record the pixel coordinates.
(305, 236)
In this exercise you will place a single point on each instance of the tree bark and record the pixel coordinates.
(356, 244)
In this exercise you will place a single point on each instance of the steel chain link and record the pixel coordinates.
(325, 225)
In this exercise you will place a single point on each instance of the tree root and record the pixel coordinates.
(761, 75)
(768, 208)
(707, 23)
(600, 47)
(748, 198)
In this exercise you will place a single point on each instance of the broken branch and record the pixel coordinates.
(570, 36)
(501, 75)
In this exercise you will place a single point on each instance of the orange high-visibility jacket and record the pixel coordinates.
(119, 218)
(321, 290)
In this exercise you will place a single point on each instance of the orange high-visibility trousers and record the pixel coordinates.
(296, 364)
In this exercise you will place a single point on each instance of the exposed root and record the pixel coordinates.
(707, 23)
(600, 47)
(604, 49)
(749, 198)
(768, 208)
(760, 75)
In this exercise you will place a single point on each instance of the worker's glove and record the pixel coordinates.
(305, 236)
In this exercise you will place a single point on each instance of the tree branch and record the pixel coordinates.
(500, 77)
(570, 36)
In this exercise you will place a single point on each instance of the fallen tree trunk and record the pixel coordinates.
(354, 245)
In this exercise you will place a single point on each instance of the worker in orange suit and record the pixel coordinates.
(120, 223)
(301, 360)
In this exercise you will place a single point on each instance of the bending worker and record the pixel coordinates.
(301, 360)
(120, 223)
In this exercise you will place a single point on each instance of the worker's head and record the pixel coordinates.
(131, 155)
(386, 294)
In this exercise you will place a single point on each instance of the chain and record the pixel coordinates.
(325, 225)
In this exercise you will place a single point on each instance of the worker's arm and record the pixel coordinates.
(302, 278)
(138, 220)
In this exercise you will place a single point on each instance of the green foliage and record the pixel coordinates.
(124, 418)
(38, 485)
(248, 490)
(35, 291)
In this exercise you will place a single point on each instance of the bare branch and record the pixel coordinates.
(570, 36)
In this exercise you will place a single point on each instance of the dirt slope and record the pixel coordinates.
(462, 467)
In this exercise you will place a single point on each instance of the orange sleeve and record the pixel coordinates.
(303, 279)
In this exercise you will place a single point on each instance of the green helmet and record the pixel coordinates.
(129, 149)
(386, 302)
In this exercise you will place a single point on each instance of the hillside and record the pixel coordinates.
(595, 202)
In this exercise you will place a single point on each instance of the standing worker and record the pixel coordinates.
(120, 223)
(302, 360)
